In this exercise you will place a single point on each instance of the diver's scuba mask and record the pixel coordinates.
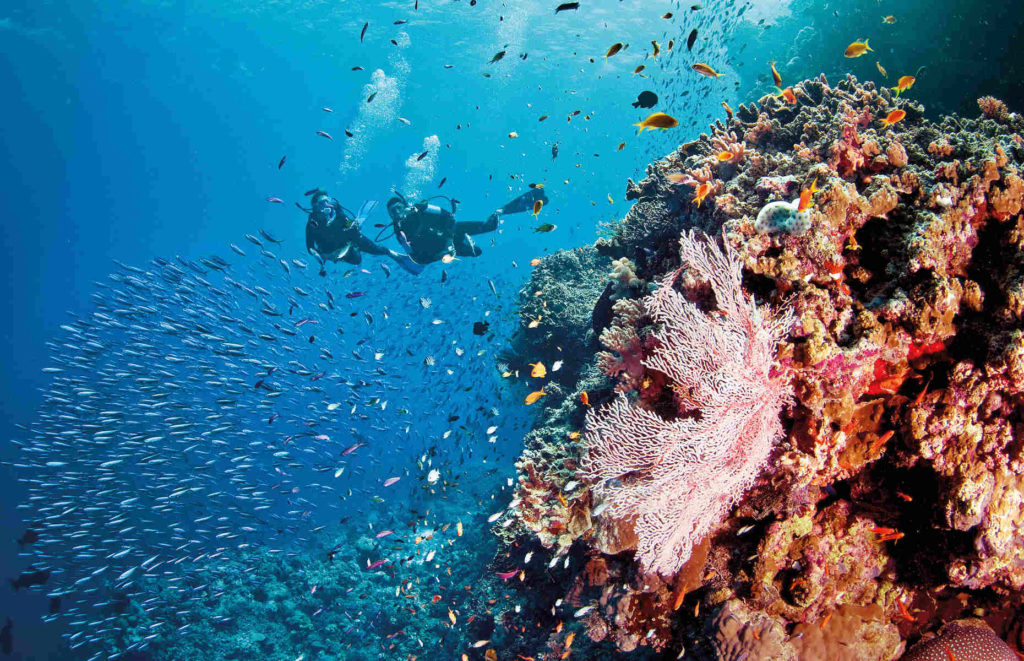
(324, 210)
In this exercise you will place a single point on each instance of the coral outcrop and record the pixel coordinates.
(893, 501)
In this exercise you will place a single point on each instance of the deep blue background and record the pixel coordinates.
(134, 130)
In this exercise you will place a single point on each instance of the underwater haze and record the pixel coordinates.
(250, 414)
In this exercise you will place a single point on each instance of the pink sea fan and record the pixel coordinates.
(677, 479)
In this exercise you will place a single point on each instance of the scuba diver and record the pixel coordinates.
(429, 233)
(333, 234)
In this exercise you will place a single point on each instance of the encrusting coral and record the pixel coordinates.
(892, 501)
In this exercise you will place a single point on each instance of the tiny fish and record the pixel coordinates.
(691, 39)
(497, 57)
(391, 480)
(325, 134)
(546, 227)
(775, 75)
(280, 163)
(275, 200)
(565, 6)
(423, 155)
(362, 33)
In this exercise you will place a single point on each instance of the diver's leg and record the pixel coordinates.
(477, 227)
(353, 257)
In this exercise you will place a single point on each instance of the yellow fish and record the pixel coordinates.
(451, 616)
(889, 20)
(857, 48)
(904, 83)
(705, 70)
(881, 69)
(534, 396)
(658, 120)
(775, 75)
(537, 206)
(538, 371)
(657, 49)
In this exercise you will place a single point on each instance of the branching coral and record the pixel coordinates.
(677, 478)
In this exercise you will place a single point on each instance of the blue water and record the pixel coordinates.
(143, 130)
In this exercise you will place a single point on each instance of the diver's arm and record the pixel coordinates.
(310, 241)
(368, 246)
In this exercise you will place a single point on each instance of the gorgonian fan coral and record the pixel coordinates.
(676, 479)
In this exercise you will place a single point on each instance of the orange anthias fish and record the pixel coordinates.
(705, 70)
(857, 48)
(893, 117)
(585, 398)
(702, 192)
(535, 261)
(775, 75)
(904, 83)
(724, 156)
(807, 196)
(658, 120)
(889, 20)
(534, 396)
(538, 371)
(788, 95)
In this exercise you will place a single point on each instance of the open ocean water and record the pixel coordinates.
(216, 447)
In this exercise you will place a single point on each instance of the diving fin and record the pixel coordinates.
(524, 202)
(364, 212)
(406, 262)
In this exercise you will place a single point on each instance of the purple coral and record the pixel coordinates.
(675, 479)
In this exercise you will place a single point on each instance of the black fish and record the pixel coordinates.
(423, 155)
(443, 179)
(565, 6)
(497, 56)
(692, 38)
(27, 580)
(30, 537)
(370, 98)
(480, 327)
(646, 99)
(281, 162)
(400, 22)
(363, 32)
(554, 151)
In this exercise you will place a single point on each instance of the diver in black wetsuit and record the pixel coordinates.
(429, 233)
(332, 234)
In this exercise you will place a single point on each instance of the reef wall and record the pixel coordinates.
(892, 501)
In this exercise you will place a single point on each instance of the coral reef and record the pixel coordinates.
(892, 502)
